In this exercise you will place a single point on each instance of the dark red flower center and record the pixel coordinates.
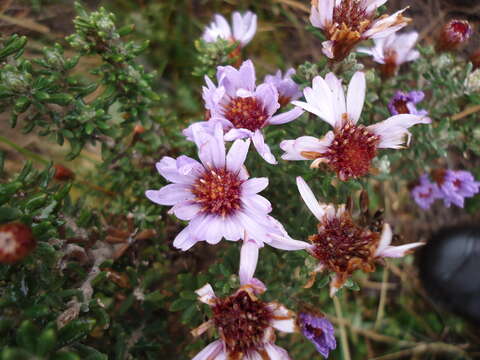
(241, 321)
(218, 192)
(460, 27)
(351, 13)
(16, 241)
(352, 150)
(401, 106)
(342, 246)
(246, 113)
(426, 195)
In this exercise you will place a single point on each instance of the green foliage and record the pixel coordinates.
(104, 281)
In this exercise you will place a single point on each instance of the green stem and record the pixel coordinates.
(24, 151)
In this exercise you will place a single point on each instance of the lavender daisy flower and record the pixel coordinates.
(350, 148)
(244, 28)
(246, 324)
(425, 193)
(319, 331)
(404, 103)
(345, 23)
(456, 186)
(392, 51)
(215, 195)
(243, 108)
(288, 90)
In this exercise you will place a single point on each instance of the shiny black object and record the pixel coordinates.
(449, 267)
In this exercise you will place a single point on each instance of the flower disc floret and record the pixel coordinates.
(242, 319)
(246, 113)
(218, 192)
(343, 247)
(351, 153)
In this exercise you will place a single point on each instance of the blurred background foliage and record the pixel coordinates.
(104, 281)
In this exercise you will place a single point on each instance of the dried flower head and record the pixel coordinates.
(350, 148)
(342, 246)
(347, 22)
(16, 242)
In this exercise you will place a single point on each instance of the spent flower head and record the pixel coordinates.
(347, 22)
(350, 148)
(342, 246)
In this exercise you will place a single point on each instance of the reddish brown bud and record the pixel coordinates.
(454, 34)
(63, 173)
(475, 59)
(138, 129)
(16, 242)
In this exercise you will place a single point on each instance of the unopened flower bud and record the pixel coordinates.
(454, 34)
(138, 129)
(16, 242)
(63, 173)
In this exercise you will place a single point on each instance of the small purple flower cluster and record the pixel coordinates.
(448, 185)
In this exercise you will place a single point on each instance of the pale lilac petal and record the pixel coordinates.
(392, 131)
(232, 228)
(167, 167)
(385, 239)
(206, 294)
(399, 251)
(185, 210)
(276, 353)
(372, 5)
(248, 261)
(294, 148)
(184, 240)
(287, 243)
(315, 18)
(283, 319)
(384, 27)
(235, 134)
(339, 104)
(187, 166)
(262, 148)
(327, 49)
(309, 198)
(268, 94)
(223, 25)
(213, 351)
(286, 117)
(237, 154)
(212, 151)
(254, 186)
(257, 202)
(170, 194)
(356, 96)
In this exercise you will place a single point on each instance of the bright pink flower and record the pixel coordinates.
(350, 148)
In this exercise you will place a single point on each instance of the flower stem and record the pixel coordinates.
(383, 299)
(343, 331)
(27, 153)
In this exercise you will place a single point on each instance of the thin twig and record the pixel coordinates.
(468, 111)
(383, 299)
(343, 331)
(427, 348)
